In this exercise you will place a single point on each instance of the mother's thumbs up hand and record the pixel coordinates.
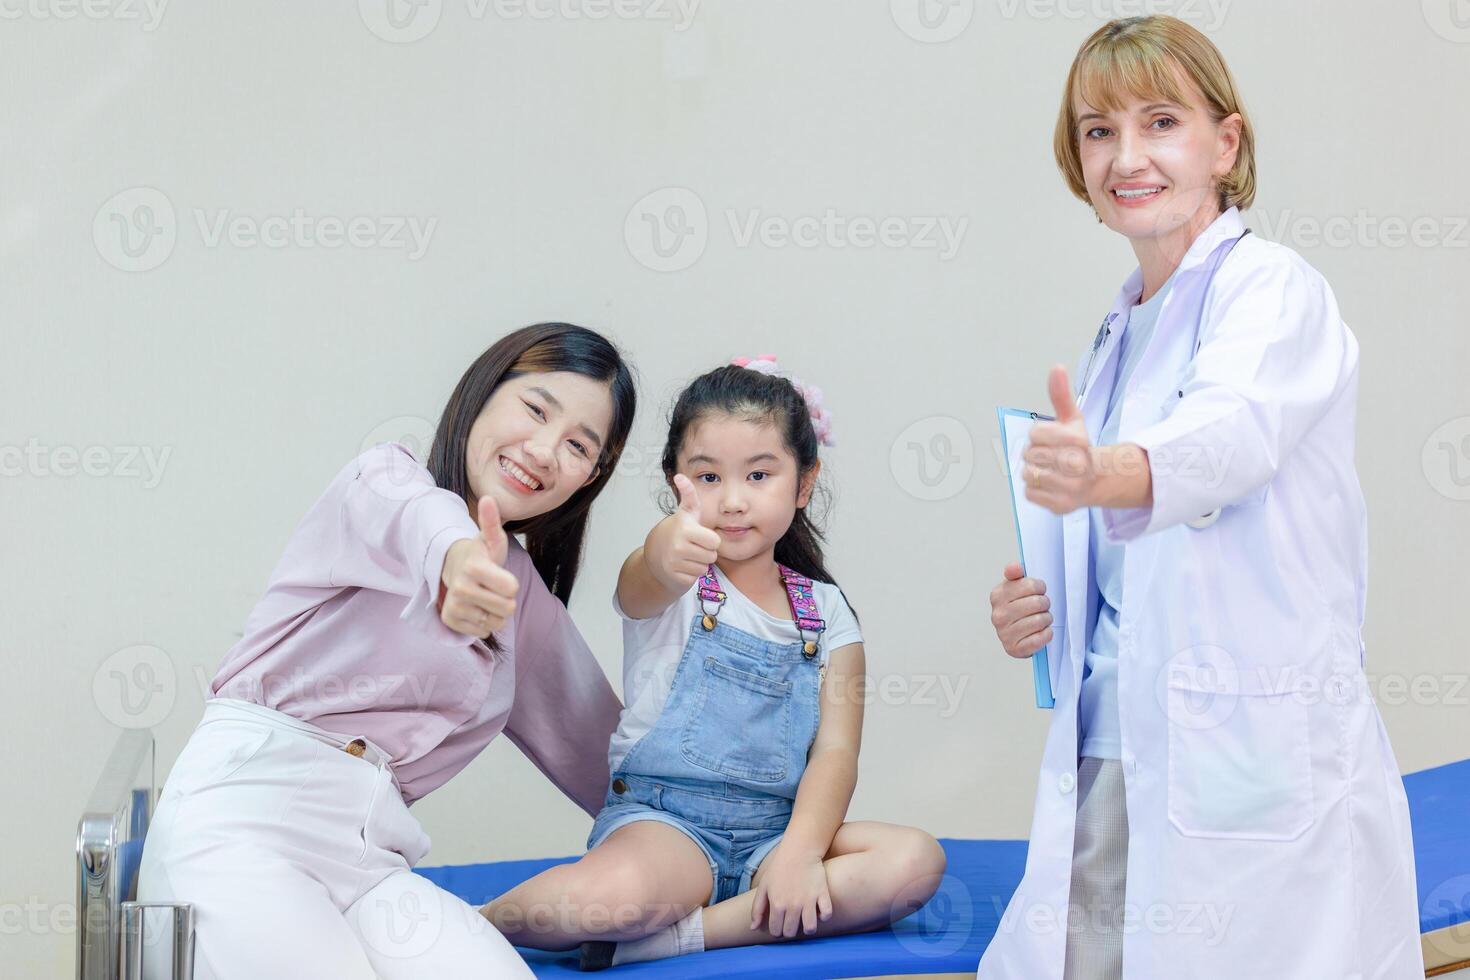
(1060, 466)
(479, 591)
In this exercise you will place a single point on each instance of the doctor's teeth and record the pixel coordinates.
(1141, 192)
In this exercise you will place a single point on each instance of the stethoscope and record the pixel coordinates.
(1106, 330)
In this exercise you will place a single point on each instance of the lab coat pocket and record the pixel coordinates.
(1239, 753)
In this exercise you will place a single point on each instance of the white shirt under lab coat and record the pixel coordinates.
(1268, 827)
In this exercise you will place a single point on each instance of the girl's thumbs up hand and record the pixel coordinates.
(479, 592)
(680, 548)
(1061, 469)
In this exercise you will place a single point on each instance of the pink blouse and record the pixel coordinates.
(348, 638)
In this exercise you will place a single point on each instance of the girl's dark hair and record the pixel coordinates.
(760, 398)
(554, 539)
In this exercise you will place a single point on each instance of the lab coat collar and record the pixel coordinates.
(1227, 225)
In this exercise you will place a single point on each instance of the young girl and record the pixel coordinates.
(736, 757)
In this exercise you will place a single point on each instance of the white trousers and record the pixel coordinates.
(297, 858)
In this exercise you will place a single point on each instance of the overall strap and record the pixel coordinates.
(803, 608)
(798, 592)
(710, 592)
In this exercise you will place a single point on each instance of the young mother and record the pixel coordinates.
(403, 629)
(1218, 797)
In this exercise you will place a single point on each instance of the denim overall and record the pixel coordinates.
(724, 759)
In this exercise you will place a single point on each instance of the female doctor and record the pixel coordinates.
(1218, 798)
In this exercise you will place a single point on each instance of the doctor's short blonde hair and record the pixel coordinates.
(1144, 57)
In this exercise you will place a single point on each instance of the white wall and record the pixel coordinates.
(529, 143)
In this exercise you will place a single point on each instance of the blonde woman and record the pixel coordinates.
(1218, 798)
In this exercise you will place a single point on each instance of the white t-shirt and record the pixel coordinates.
(652, 649)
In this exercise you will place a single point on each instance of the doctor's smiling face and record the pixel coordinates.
(1152, 167)
(1152, 134)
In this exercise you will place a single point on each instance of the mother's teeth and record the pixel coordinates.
(519, 473)
(1142, 192)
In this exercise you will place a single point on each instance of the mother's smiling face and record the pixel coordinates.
(537, 441)
(538, 423)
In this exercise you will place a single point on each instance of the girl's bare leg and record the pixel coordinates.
(877, 873)
(644, 877)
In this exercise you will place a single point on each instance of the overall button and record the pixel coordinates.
(619, 787)
(1066, 782)
(356, 747)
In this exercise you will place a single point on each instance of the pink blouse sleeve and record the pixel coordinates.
(393, 527)
(565, 710)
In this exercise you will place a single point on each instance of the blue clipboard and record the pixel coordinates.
(1036, 523)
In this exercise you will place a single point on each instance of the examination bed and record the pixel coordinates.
(945, 937)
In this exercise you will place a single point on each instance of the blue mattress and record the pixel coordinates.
(948, 934)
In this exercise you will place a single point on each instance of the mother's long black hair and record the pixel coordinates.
(554, 540)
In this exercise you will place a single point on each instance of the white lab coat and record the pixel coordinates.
(1268, 827)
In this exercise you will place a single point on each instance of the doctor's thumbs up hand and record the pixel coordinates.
(680, 548)
(478, 593)
(1020, 612)
(1060, 466)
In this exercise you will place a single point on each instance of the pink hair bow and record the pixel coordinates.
(811, 394)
